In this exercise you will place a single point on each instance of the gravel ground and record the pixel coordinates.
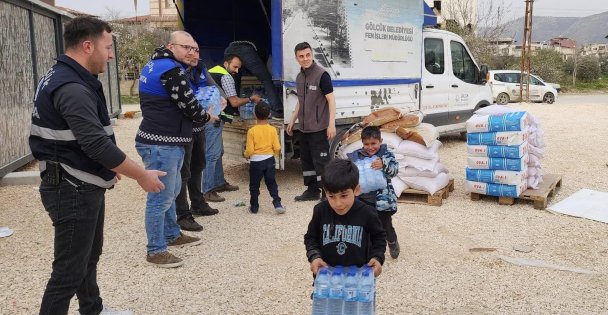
(256, 264)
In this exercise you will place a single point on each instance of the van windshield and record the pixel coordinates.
(534, 80)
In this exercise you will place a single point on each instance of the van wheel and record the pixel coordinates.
(502, 99)
(335, 145)
(549, 98)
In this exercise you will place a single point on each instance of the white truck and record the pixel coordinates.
(378, 53)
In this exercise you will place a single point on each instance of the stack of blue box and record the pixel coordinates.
(497, 147)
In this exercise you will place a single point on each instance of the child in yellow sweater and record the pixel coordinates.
(262, 145)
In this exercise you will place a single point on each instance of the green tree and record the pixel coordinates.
(478, 30)
(136, 43)
(501, 62)
(604, 65)
(588, 68)
(548, 64)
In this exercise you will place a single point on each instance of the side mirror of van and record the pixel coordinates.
(483, 74)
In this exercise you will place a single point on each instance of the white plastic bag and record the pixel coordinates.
(369, 178)
(410, 148)
(420, 164)
(430, 185)
(409, 171)
(398, 185)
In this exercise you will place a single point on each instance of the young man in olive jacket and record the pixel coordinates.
(316, 115)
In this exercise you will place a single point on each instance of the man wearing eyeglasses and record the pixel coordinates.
(194, 159)
(168, 108)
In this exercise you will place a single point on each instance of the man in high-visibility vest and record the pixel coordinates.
(213, 175)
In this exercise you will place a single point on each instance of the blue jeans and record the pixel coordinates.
(161, 221)
(77, 212)
(213, 175)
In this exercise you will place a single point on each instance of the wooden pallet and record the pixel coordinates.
(550, 184)
(414, 196)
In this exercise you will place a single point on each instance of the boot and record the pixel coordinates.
(309, 195)
(394, 249)
(204, 210)
(212, 196)
(188, 224)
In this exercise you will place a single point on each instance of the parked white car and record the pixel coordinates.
(505, 87)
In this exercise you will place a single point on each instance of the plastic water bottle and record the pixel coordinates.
(209, 99)
(321, 294)
(247, 111)
(365, 295)
(351, 305)
(336, 293)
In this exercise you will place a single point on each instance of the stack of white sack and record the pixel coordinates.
(497, 147)
(416, 150)
(536, 143)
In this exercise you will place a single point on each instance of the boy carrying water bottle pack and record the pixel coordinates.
(344, 231)
(382, 197)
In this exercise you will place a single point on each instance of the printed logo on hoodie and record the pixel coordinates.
(352, 234)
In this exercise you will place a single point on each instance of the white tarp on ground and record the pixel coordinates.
(585, 203)
(5, 231)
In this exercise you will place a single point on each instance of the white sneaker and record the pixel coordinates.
(109, 311)
(280, 209)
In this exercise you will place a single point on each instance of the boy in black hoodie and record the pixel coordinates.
(344, 231)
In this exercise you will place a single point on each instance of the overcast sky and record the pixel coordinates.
(514, 7)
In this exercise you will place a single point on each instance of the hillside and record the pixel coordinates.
(585, 30)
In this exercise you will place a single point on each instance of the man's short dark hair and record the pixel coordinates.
(340, 175)
(301, 46)
(83, 28)
(262, 110)
(371, 132)
(228, 57)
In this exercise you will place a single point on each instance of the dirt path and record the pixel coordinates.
(256, 264)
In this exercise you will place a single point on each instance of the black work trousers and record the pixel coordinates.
(192, 174)
(252, 62)
(314, 154)
(77, 211)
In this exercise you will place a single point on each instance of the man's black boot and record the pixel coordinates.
(309, 195)
(204, 210)
(188, 224)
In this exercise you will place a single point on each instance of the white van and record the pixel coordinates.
(505, 87)
(452, 84)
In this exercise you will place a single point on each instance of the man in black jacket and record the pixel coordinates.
(344, 231)
(72, 138)
(194, 160)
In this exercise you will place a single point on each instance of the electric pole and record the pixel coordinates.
(526, 52)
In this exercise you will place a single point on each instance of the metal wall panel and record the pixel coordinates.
(16, 82)
(46, 46)
(30, 40)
